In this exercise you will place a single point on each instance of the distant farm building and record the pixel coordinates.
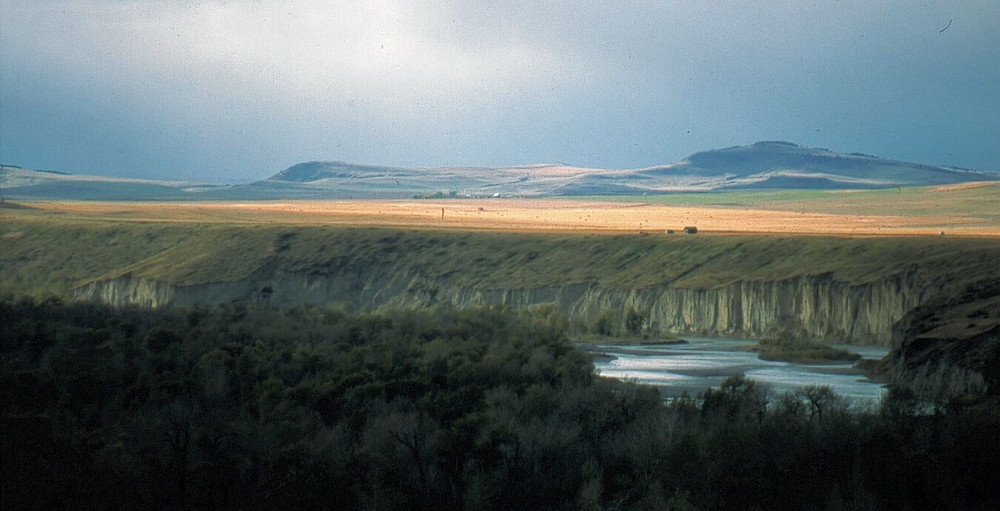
(691, 230)
(670, 231)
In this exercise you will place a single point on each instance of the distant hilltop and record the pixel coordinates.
(764, 165)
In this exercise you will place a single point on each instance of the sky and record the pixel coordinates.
(234, 90)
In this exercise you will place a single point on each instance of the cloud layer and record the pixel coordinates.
(233, 89)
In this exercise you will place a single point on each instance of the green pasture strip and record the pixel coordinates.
(980, 202)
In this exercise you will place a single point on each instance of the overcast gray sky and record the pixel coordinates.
(240, 89)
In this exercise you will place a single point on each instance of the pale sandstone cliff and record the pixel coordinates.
(816, 307)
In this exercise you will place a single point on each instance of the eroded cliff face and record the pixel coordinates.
(815, 307)
(950, 345)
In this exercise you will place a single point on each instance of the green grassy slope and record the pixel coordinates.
(55, 255)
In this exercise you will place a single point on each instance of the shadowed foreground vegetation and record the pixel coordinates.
(235, 407)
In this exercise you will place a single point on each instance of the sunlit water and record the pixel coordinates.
(705, 362)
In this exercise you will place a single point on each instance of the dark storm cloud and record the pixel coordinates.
(240, 89)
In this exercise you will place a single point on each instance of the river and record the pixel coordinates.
(705, 362)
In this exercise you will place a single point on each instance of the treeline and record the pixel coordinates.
(238, 407)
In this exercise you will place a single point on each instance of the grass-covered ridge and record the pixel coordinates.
(57, 255)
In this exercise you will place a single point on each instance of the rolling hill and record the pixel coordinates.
(763, 165)
(21, 183)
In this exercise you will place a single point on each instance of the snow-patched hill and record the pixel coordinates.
(764, 165)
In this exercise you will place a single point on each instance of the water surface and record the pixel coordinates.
(706, 362)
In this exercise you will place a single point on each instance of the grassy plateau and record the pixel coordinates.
(54, 249)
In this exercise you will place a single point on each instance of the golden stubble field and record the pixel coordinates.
(523, 215)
